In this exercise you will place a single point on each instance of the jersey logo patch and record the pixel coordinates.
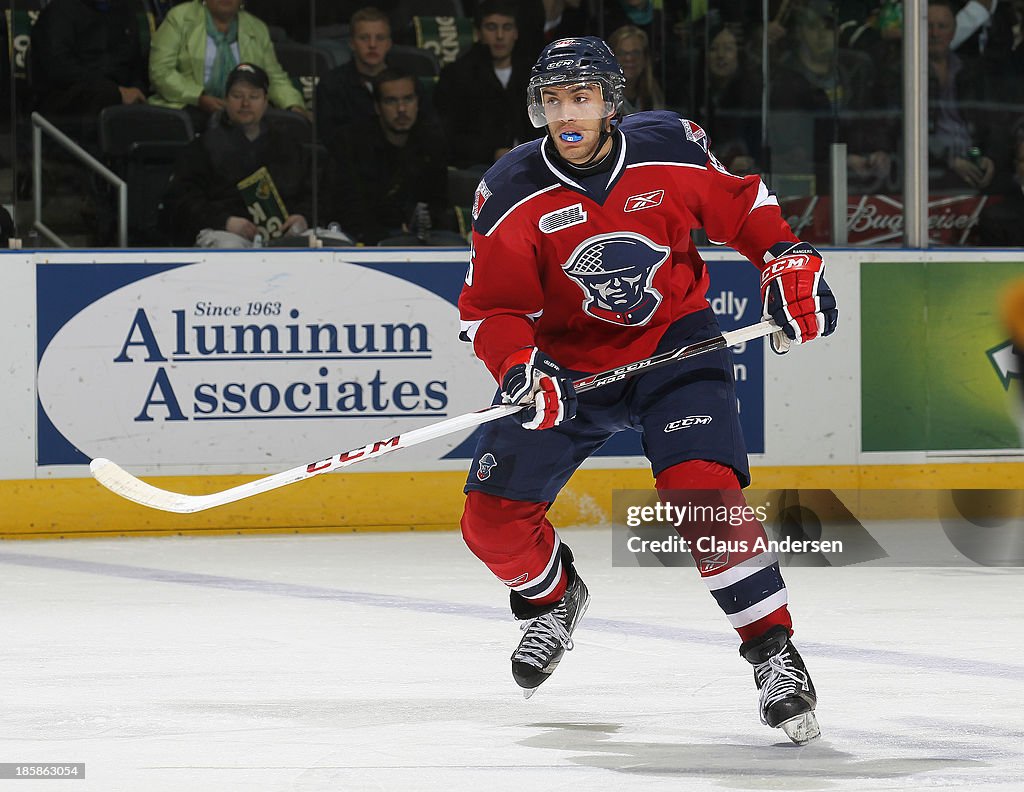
(695, 134)
(483, 192)
(562, 218)
(616, 273)
(644, 201)
(484, 467)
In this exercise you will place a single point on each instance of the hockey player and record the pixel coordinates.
(582, 254)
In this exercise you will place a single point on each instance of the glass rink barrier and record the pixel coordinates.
(866, 136)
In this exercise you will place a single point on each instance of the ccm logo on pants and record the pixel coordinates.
(687, 422)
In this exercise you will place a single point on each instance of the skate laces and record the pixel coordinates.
(544, 636)
(778, 679)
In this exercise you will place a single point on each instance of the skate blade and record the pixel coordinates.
(802, 729)
(527, 692)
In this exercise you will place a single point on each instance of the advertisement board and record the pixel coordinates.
(230, 361)
(878, 219)
(935, 361)
(197, 370)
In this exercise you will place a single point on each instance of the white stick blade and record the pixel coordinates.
(121, 482)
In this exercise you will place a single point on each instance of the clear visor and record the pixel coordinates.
(549, 103)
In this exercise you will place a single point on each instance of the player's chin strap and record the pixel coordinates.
(603, 136)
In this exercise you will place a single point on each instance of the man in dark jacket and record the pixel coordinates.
(246, 177)
(390, 175)
(1002, 223)
(344, 94)
(87, 55)
(480, 96)
(967, 128)
(820, 94)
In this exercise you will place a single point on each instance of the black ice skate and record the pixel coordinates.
(547, 630)
(787, 698)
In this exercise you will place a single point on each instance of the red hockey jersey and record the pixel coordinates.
(593, 270)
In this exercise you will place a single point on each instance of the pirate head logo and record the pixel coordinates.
(616, 272)
(484, 466)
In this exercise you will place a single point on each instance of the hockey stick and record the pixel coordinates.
(123, 483)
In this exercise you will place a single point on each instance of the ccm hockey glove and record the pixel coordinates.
(794, 293)
(528, 376)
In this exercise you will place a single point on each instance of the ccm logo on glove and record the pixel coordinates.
(795, 295)
(784, 264)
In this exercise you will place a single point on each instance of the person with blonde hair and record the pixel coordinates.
(631, 48)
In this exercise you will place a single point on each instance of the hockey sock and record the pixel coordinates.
(743, 578)
(518, 544)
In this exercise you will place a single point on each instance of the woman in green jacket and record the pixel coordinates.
(196, 47)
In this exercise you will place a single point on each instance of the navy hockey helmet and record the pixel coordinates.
(572, 61)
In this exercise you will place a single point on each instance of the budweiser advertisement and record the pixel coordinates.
(878, 219)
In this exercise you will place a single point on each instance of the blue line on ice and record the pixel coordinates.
(921, 662)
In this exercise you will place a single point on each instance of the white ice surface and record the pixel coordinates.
(381, 662)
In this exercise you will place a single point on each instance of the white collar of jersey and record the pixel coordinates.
(613, 174)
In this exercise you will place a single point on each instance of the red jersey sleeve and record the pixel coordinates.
(741, 213)
(502, 295)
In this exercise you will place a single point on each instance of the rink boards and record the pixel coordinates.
(200, 370)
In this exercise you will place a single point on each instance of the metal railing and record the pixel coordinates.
(40, 125)
(840, 194)
(915, 129)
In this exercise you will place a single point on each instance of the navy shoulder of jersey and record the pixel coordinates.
(518, 175)
(663, 136)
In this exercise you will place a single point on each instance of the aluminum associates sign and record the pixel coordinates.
(235, 361)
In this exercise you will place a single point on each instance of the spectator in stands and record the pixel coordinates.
(638, 13)
(345, 94)
(982, 28)
(390, 177)
(480, 96)
(779, 29)
(642, 92)
(196, 47)
(245, 176)
(998, 49)
(959, 140)
(832, 95)
(653, 17)
(87, 55)
(972, 25)
(563, 19)
(535, 21)
(728, 100)
(1002, 223)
